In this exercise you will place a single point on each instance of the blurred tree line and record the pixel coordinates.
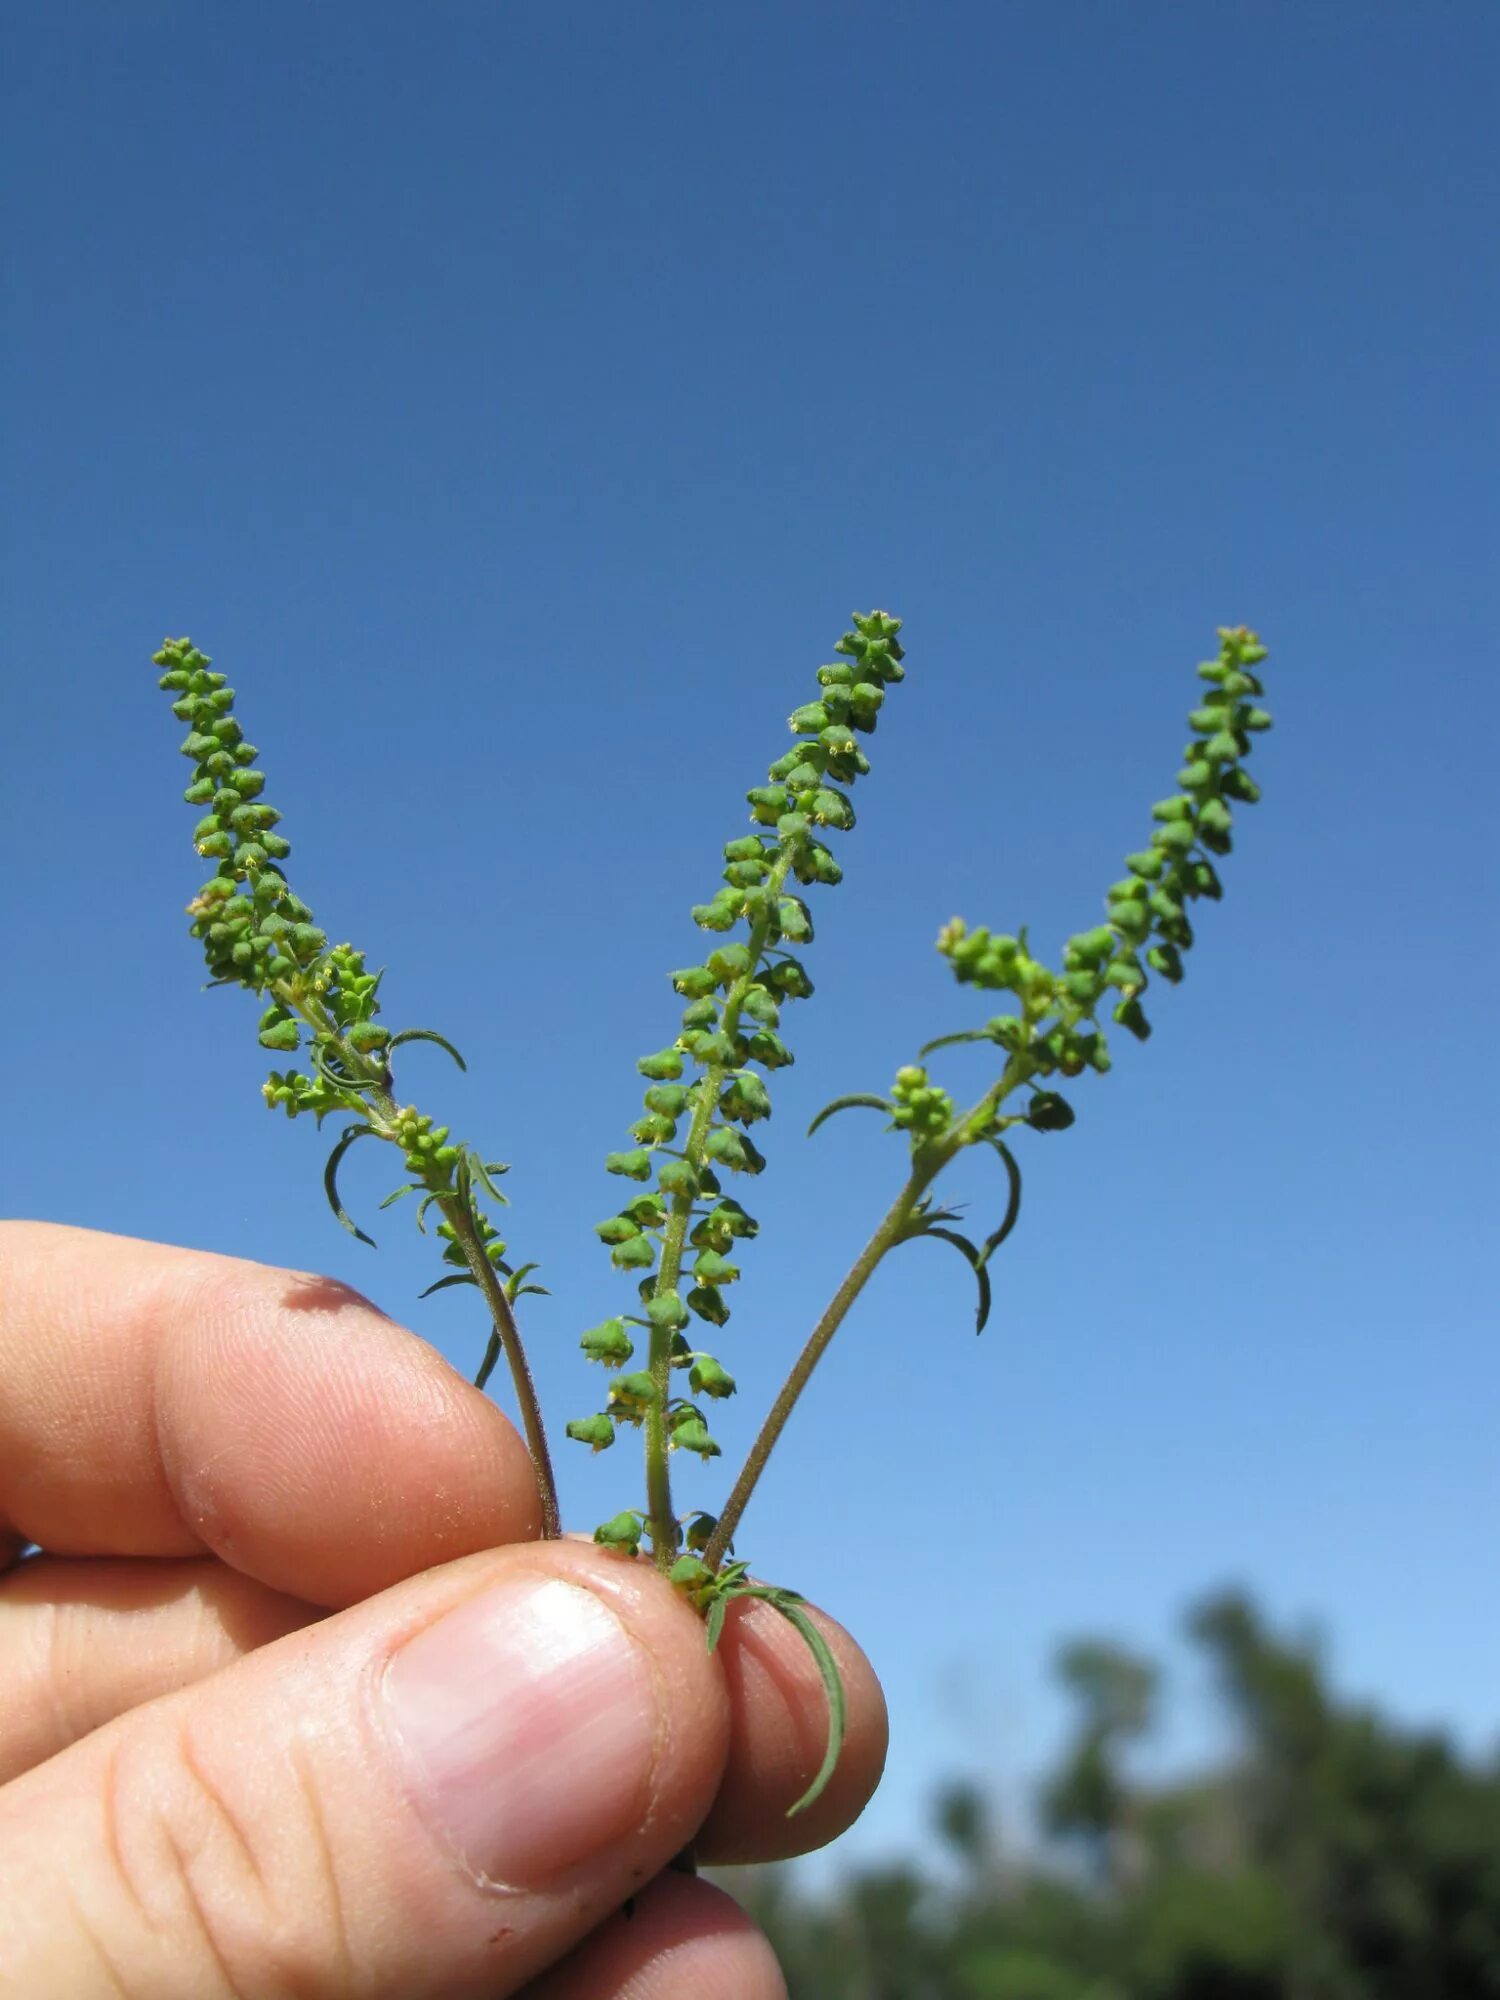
(1334, 1857)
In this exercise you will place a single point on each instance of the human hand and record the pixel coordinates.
(297, 1703)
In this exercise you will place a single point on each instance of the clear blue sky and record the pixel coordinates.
(514, 400)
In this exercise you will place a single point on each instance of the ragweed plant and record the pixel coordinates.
(679, 1238)
(259, 934)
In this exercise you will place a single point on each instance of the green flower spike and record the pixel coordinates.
(1054, 1032)
(712, 1080)
(258, 933)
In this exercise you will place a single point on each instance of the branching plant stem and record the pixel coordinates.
(258, 934)
(927, 1164)
(660, 1518)
(505, 1337)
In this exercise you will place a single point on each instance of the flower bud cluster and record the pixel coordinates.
(253, 929)
(706, 1089)
(258, 933)
(919, 1107)
(1147, 928)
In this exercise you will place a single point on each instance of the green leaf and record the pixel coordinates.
(427, 1035)
(516, 1286)
(975, 1261)
(790, 1605)
(857, 1099)
(491, 1356)
(717, 1612)
(330, 1179)
(1012, 1214)
(951, 1041)
(453, 1278)
(337, 1077)
(717, 1615)
(411, 1187)
(483, 1172)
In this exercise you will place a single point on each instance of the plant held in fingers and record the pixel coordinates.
(679, 1235)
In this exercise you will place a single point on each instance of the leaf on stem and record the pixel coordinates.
(951, 1041)
(338, 1078)
(453, 1278)
(491, 1356)
(516, 1286)
(1012, 1214)
(857, 1100)
(427, 1035)
(790, 1605)
(411, 1187)
(975, 1261)
(482, 1171)
(330, 1179)
(712, 1592)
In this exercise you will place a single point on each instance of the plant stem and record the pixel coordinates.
(924, 1170)
(505, 1336)
(508, 1337)
(927, 1163)
(662, 1521)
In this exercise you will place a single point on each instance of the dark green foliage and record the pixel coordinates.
(1337, 1856)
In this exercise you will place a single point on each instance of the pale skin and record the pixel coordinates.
(255, 1493)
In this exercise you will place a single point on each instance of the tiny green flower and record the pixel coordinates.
(608, 1342)
(597, 1431)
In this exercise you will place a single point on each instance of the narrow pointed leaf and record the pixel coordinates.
(411, 1187)
(941, 1215)
(975, 1263)
(717, 1612)
(949, 1041)
(1008, 1221)
(916, 1224)
(427, 1035)
(790, 1606)
(326, 1071)
(859, 1099)
(481, 1172)
(330, 1179)
(491, 1356)
(453, 1278)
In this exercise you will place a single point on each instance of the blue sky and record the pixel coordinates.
(515, 400)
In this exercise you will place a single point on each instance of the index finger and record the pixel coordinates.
(156, 1401)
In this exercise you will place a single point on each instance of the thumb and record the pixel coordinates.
(437, 1792)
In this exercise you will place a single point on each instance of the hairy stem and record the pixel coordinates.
(928, 1162)
(505, 1336)
(925, 1169)
(662, 1521)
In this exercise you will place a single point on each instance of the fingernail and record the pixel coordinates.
(528, 1718)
